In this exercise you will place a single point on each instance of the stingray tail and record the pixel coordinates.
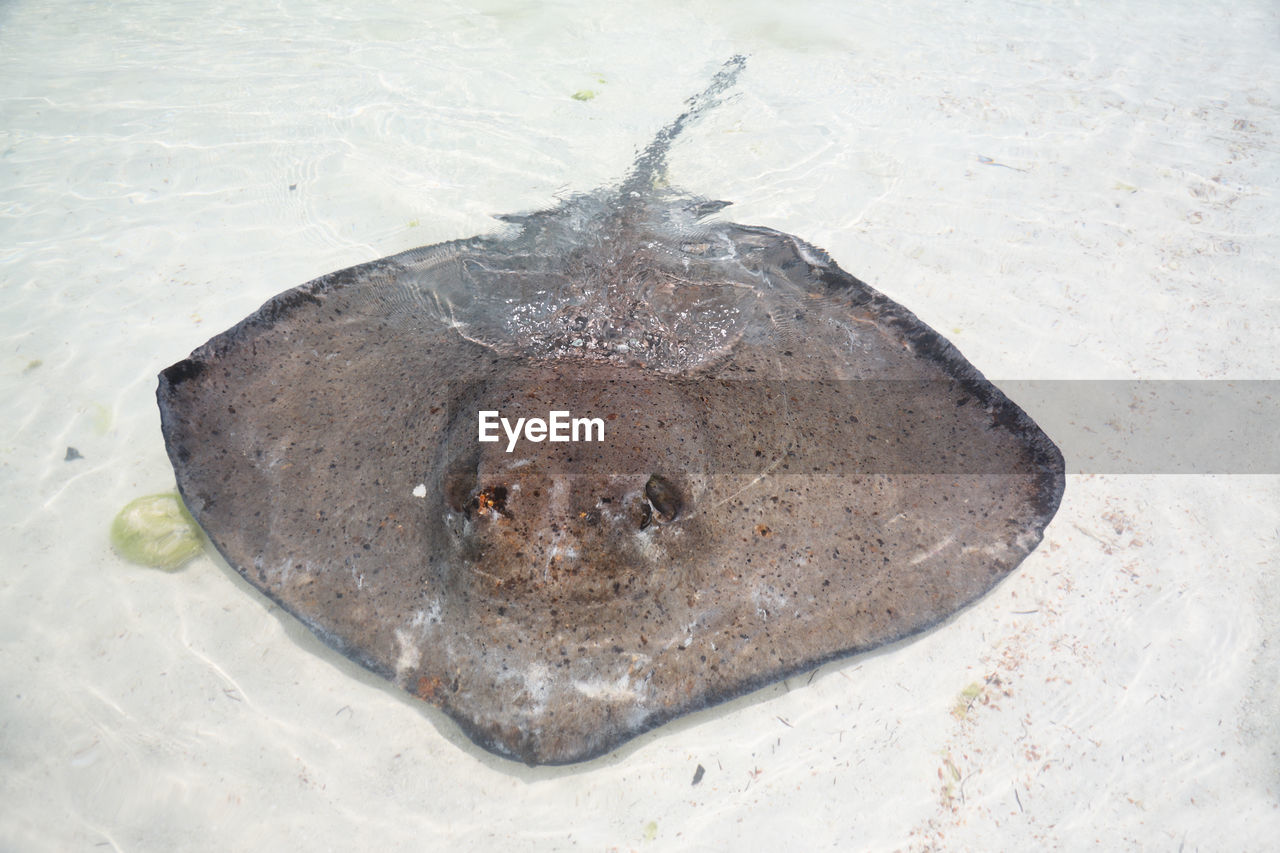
(652, 162)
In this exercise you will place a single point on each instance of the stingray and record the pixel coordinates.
(775, 465)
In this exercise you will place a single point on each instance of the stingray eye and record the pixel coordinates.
(646, 514)
(664, 498)
(490, 500)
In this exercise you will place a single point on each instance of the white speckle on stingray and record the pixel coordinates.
(767, 600)
(537, 685)
(996, 549)
(620, 690)
(648, 549)
(430, 616)
(420, 490)
(283, 571)
(1026, 540)
(920, 558)
(273, 460)
(357, 577)
(411, 637)
(409, 654)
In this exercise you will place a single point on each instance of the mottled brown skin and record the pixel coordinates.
(794, 469)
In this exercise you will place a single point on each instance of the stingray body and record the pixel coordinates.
(784, 466)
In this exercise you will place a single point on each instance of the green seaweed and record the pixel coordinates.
(965, 701)
(583, 95)
(156, 531)
(103, 419)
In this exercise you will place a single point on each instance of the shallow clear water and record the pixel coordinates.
(1063, 191)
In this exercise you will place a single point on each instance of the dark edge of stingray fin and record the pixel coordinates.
(652, 162)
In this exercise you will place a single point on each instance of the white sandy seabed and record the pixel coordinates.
(1066, 191)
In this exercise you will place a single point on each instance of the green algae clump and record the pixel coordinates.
(966, 700)
(156, 531)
